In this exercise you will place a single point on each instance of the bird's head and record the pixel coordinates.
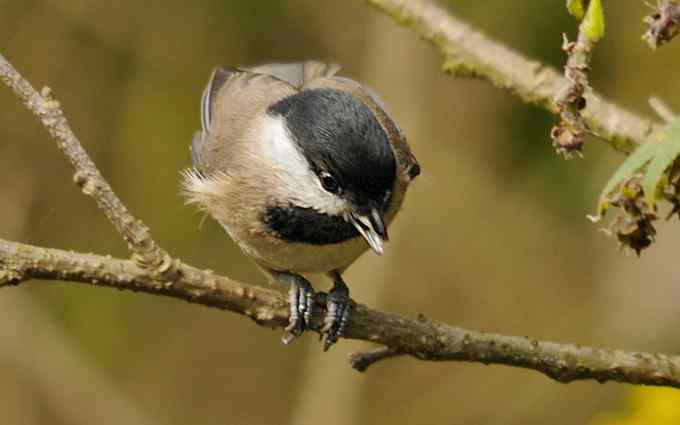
(341, 164)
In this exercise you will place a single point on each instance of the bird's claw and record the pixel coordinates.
(301, 300)
(338, 308)
(301, 297)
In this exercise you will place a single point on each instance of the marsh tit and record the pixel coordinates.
(305, 170)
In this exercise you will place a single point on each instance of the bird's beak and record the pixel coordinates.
(372, 228)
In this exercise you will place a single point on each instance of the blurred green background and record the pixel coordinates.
(493, 235)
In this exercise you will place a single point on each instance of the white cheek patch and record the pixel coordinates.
(293, 178)
(278, 147)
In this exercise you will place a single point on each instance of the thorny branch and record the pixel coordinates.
(153, 271)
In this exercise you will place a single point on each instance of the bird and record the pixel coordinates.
(305, 170)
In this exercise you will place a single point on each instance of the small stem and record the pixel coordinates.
(361, 361)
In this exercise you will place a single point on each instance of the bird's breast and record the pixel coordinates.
(272, 252)
(299, 239)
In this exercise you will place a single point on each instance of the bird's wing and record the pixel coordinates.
(234, 83)
(232, 98)
(298, 74)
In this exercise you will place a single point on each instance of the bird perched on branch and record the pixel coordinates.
(305, 170)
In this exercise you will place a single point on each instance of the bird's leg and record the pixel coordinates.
(338, 307)
(301, 300)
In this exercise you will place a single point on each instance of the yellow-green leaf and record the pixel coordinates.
(576, 9)
(635, 161)
(593, 23)
(668, 151)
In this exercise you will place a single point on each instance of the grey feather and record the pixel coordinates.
(297, 74)
(196, 149)
(217, 80)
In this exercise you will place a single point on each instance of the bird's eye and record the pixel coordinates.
(414, 171)
(329, 183)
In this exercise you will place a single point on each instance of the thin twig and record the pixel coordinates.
(364, 359)
(87, 176)
(467, 52)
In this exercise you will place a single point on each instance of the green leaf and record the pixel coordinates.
(635, 161)
(593, 23)
(668, 151)
(576, 9)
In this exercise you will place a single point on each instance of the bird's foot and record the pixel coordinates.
(301, 300)
(338, 308)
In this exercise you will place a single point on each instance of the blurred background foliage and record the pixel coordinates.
(493, 235)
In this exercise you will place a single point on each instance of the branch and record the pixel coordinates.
(20, 262)
(467, 52)
(153, 271)
(420, 337)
